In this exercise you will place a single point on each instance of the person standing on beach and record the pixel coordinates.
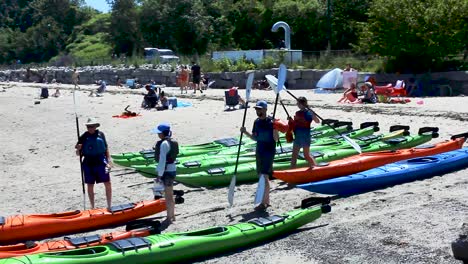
(196, 77)
(92, 145)
(301, 127)
(166, 152)
(266, 137)
(75, 78)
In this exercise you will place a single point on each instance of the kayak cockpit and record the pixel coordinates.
(214, 231)
(70, 214)
(90, 252)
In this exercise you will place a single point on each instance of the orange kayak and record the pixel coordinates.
(21, 228)
(67, 243)
(365, 161)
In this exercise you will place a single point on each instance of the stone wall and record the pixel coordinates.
(296, 79)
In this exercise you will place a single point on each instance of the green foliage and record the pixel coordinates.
(415, 35)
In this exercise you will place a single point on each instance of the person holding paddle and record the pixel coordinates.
(301, 127)
(92, 145)
(266, 136)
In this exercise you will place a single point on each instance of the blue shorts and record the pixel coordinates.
(95, 174)
(302, 138)
(168, 178)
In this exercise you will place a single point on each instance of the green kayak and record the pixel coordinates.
(202, 163)
(182, 247)
(246, 172)
(214, 144)
(246, 147)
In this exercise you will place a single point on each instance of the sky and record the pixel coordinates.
(100, 5)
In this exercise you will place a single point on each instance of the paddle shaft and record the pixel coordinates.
(81, 155)
(240, 139)
(274, 113)
(284, 107)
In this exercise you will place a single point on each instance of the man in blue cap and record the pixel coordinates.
(166, 151)
(266, 137)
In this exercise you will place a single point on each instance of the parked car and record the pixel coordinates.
(163, 55)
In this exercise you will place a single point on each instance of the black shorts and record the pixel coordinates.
(168, 178)
(196, 79)
(265, 163)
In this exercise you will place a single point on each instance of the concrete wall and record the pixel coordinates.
(296, 79)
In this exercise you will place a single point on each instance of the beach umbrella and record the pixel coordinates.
(331, 80)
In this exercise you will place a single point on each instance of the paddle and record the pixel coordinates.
(232, 185)
(260, 193)
(81, 155)
(272, 80)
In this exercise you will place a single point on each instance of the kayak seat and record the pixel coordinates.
(266, 221)
(192, 164)
(395, 141)
(227, 142)
(80, 241)
(131, 243)
(283, 150)
(368, 138)
(215, 171)
(2, 220)
(426, 146)
(121, 207)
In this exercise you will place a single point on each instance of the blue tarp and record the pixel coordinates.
(331, 80)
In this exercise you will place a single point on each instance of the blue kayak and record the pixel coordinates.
(392, 174)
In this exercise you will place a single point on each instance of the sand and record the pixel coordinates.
(410, 223)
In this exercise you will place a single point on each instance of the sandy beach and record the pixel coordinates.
(410, 223)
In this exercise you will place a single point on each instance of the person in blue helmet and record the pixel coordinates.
(92, 145)
(266, 137)
(166, 151)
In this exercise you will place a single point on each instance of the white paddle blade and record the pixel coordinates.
(281, 78)
(248, 86)
(232, 187)
(353, 144)
(260, 190)
(272, 81)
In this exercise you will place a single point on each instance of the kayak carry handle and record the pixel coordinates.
(369, 124)
(312, 201)
(152, 225)
(462, 135)
(326, 208)
(399, 127)
(329, 121)
(423, 130)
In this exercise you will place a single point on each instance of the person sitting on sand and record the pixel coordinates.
(369, 93)
(101, 89)
(164, 102)
(350, 95)
(233, 92)
(150, 99)
(57, 90)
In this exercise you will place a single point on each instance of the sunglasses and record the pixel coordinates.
(91, 126)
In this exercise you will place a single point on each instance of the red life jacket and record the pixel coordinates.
(300, 120)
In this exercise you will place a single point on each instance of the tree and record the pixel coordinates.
(124, 27)
(415, 35)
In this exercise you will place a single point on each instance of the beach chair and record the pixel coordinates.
(231, 98)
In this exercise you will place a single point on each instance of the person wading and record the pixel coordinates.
(266, 137)
(96, 164)
(166, 152)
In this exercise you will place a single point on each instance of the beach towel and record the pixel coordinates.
(183, 104)
(124, 116)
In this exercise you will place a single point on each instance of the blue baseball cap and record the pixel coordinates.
(161, 128)
(261, 105)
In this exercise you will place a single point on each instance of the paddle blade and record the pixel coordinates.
(281, 78)
(248, 86)
(272, 81)
(232, 187)
(353, 143)
(260, 190)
